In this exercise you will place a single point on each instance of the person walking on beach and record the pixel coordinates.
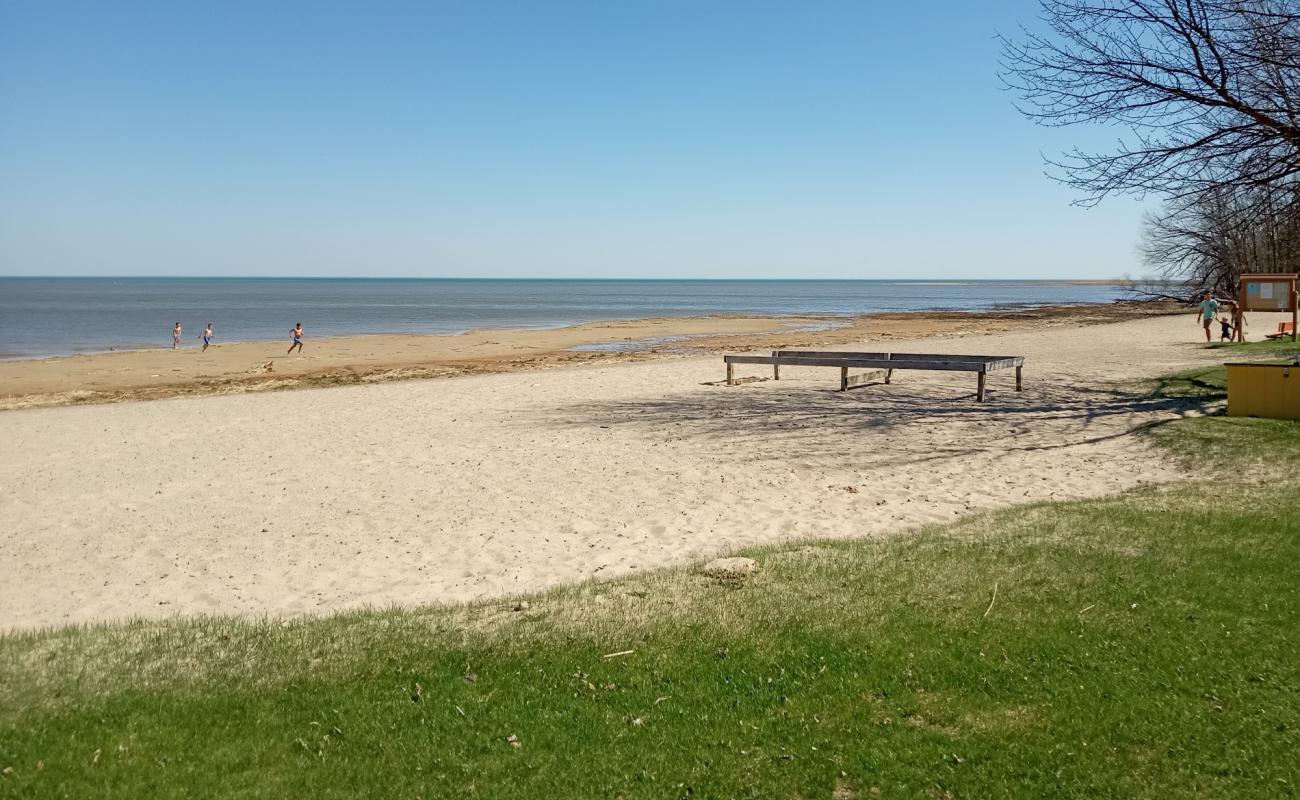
(296, 333)
(1207, 312)
(1239, 322)
(1225, 330)
(176, 336)
(207, 337)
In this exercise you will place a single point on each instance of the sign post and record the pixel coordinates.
(1272, 292)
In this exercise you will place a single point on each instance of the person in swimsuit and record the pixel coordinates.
(1208, 310)
(207, 337)
(176, 336)
(296, 333)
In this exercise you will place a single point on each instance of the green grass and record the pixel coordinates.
(1281, 348)
(1231, 448)
(1137, 646)
(1208, 383)
(1201, 383)
(1234, 448)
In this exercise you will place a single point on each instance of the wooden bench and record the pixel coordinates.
(879, 364)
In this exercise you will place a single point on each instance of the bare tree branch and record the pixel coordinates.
(1206, 88)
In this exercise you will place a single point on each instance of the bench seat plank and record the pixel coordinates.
(901, 356)
(876, 363)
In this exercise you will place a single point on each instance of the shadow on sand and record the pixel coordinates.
(907, 421)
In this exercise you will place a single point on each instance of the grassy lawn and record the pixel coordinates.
(1211, 382)
(1235, 448)
(1282, 348)
(1138, 646)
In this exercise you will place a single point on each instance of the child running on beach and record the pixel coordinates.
(176, 336)
(207, 337)
(296, 333)
(1225, 330)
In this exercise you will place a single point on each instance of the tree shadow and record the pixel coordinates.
(912, 421)
(1206, 384)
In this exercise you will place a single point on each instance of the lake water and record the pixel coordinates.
(56, 316)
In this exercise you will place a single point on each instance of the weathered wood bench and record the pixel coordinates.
(879, 364)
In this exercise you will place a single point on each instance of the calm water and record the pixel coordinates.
(55, 316)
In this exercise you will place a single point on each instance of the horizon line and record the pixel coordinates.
(467, 278)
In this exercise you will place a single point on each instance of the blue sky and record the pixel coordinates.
(531, 139)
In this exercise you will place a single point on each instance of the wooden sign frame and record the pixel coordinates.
(1265, 280)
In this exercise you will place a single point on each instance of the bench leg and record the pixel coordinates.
(731, 380)
(1018, 383)
(889, 373)
(979, 388)
(776, 369)
(844, 379)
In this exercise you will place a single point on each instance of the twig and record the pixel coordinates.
(1089, 608)
(991, 602)
(619, 653)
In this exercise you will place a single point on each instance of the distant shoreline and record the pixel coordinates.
(1039, 281)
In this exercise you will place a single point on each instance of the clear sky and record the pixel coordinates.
(531, 139)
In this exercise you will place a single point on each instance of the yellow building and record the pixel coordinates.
(1264, 390)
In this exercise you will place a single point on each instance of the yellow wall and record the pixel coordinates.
(1264, 390)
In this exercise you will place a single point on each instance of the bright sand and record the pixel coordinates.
(445, 490)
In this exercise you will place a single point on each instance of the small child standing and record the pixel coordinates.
(176, 336)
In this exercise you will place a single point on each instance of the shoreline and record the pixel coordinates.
(261, 365)
(125, 348)
(829, 318)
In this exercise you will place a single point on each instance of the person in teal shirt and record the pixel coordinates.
(1207, 312)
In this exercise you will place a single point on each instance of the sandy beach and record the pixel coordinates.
(427, 491)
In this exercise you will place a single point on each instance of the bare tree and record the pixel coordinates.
(1210, 90)
(1210, 240)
